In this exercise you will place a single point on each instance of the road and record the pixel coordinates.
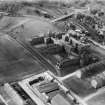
(15, 26)
(19, 60)
(62, 18)
(38, 56)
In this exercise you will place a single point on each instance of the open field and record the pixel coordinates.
(60, 36)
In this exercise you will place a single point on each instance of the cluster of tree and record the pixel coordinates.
(86, 20)
(97, 12)
(93, 24)
(90, 21)
(12, 8)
